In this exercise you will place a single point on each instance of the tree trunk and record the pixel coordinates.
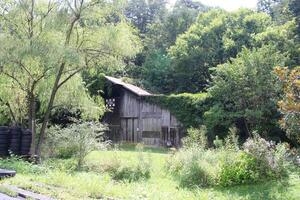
(48, 111)
(32, 121)
(56, 86)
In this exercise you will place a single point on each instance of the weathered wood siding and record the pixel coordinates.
(129, 105)
(141, 121)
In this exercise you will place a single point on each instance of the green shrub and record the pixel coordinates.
(218, 143)
(195, 166)
(130, 173)
(122, 170)
(194, 174)
(66, 152)
(196, 137)
(273, 159)
(243, 170)
(76, 140)
(232, 139)
(260, 160)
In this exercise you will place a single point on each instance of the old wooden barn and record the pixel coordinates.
(133, 119)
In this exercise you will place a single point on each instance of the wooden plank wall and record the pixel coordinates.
(129, 105)
(138, 117)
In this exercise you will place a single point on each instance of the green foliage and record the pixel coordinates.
(188, 108)
(20, 166)
(163, 33)
(196, 137)
(289, 105)
(273, 160)
(232, 139)
(242, 171)
(216, 37)
(154, 71)
(123, 170)
(218, 143)
(49, 43)
(143, 13)
(159, 27)
(78, 185)
(282, 38)
(244, 92)
(277, 9)
(258, 161)
(294, 6)
(76, 140)
(62, 165)
(196, 166)
(130, 173)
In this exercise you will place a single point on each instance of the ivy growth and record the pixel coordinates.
(186, 107)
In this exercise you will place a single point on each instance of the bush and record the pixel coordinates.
(130, 173)
(241, 171)
(232, 139)
(259, 160)
(66, 152)
(76, 140)
(196, 137)
(218, 143)
(274, 158)
(122, 170)
(195, 166)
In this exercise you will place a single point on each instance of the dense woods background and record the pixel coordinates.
(214, 68)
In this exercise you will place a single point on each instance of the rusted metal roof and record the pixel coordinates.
(136, 90)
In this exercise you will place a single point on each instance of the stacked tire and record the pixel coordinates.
(15, 140)
(26, 142)
(4, 140)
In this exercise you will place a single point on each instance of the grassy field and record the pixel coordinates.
(56, 180)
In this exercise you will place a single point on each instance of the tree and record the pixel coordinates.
(245, 92)
(46, 44)
(289, 105)
(295, 8)
(142, 13)
(163, 33)
(283, 39)
(215, 37)
(152, 66)
(277, 9)
(155, 72)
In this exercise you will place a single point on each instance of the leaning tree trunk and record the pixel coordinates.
(41, 137)
(55, 87)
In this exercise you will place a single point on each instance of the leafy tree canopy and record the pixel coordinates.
(45, 45)
(245, 92)
(213, 39)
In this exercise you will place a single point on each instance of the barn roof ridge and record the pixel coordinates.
(135, 89)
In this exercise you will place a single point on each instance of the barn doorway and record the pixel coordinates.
(165, 134)
(169, 136)
(129, 129)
